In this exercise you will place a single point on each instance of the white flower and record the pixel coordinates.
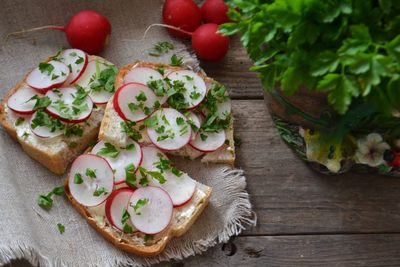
(370, 150)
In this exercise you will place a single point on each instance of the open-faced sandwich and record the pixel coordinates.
(125, 186)
(55, 111)
(180, 111)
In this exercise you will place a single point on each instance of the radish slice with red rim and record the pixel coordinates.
(195, 87)
(179, 187)
(69, 104)
(47, 76)
(22, 101)
(91, 180)
(177, 184)
(150, 209)
(150, 77)
(116, 205)
(195, 123)
(168, 129)
(209, 142)
(44, 131)
(120, 159)
(134, 102)
(76, 60)
(223, 109)
(91, 76)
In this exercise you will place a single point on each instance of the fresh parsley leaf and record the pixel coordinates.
(127, 228)
(54, 76)
(203, 137)
(90, 173)
(147, 237)
(45, 202)
(41, 102)
(61, 228)
(161, 69)
(46, 68)
(130, 177)
(99, 191)
(108, 151)
(180, 120)
(73, 54)
(125, 216)
(161, 48)
(141, 97)
(151, 122)
(79, 60)
(127, 127)
(139, 205)
(19, 121)
(176, 61)
(158, 87)
(130, 147)
(176, 171)
(78, 178)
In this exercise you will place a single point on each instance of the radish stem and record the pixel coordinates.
(51, 27)
(159, 25)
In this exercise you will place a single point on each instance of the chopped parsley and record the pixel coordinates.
(61, 228)
(165, 165)
(124, 220)
(180, 120)
(46, 201)
(130, 177)
(90, 173)
(158, 87)
(54, 76)
(147, 237)
(41, 102)
(141, 97)
(155, 175)
(151, 122)
(176, 95)
(73, 129)
(203, 137)
(195, 95)
(139, 205)
(131, 132)
(161, 69)
(104, 80)
(161, 48)
(19, 121)
(99, 191)
(46, 67)
(108, 151)
(78, 178)
(130, 147)
(176, 61)
(42, 119)
(79, 60)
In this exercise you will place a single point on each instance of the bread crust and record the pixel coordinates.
(55, 162)
(129, 245)
(222, 155)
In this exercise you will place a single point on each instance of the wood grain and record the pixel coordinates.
(290, 198)
(234, 73)
(310, 250)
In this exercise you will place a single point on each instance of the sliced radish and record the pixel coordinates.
(195, 123)
(154, 216)
(92, 70)
(116, 204)
(20, 101)
(47, 76)
(195, 86)
(223, 109)
(151, 155)
(76, 60)
(145, 75)
(86, 189)
(132, 154)
(180, 188)
(43, 131)
(129, 95)
(174, 135)
(211, 142)
(63, 105)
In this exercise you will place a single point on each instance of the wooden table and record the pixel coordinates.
(304, 218)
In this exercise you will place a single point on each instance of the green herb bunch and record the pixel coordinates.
(348, 49)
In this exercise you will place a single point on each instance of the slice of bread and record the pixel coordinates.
(183, 219)
(53, 153)
(112, 132)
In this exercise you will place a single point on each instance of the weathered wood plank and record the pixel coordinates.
(309, 250)
(290, 198)
(234, 73)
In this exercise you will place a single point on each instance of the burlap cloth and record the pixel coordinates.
(27, 231)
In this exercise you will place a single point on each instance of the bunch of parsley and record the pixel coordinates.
(348, 49)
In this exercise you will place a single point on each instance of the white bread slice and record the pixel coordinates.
(183, 219)
(53, 153)
(110, 130)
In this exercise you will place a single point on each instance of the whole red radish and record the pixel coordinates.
(87, 30)
(208, 43)
(215, 11)
(184, 14)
